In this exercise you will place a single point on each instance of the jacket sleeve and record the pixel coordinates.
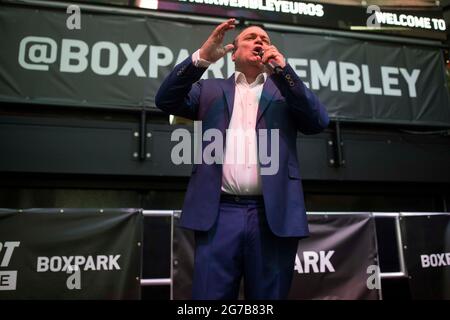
(311, 115)
(179, 93)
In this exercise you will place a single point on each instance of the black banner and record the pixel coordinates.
(426, 240)
(120, 61)
(417, 21)
(338, 262)
(408, 21)
(70, 254)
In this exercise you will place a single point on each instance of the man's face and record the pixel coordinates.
(249, 43)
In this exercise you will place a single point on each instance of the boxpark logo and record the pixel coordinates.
(76, 264)
(314, 262)
(435, 260)
(106, 58)
(72, 265)
(8, 278)
(102, 58)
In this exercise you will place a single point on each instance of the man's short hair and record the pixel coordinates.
(242, 28)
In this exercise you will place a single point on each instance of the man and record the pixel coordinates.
(247, 223)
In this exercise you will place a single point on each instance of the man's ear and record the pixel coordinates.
(233, 56)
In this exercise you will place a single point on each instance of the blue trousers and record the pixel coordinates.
(241, 244)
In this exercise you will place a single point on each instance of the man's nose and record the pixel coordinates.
(258, 41)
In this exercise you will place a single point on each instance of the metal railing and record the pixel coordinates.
(163, 281)
(402, 273)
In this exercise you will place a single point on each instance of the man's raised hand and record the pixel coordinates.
(213, 49)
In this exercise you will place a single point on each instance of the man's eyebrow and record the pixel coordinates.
(254, 34)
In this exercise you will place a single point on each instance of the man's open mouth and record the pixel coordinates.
(257, 51)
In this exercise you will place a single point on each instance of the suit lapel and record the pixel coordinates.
(267, 94)
(228, 89)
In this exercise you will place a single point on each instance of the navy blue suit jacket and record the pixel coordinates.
(286, 104)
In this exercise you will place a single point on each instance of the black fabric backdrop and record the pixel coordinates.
(37, 245)
(120, 61)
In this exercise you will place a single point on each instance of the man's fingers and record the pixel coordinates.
(270, 53)
(271, 50)
(267, 55)
(230, 23)
(273, 53)
(228, 48)
(225, 26)
(212, 49)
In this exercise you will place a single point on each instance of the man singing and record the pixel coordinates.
(247, 221)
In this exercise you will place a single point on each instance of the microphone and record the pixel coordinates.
(271, 64)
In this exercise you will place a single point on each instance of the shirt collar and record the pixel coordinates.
(239, 77)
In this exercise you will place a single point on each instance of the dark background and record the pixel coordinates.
(53, 157)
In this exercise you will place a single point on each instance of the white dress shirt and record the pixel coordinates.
(240, 170)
